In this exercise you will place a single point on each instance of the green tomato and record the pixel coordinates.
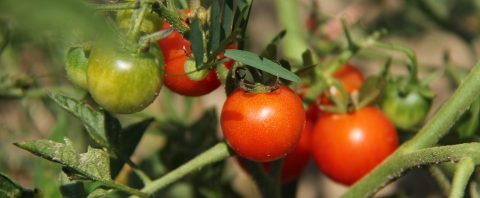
(123, 82)
(405, 108)
(151, 22)
(76, 67)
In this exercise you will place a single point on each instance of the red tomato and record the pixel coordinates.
(297, 160)
(347, 146)
(351, 79)
(176, 50)
(263, 126)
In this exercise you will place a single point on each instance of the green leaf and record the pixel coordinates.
(370, 90)
(8, 188)
(261, 63)
(76, 67)
(101, 127)
(71, 189)
(214, 38)
(196, 37)
(126, 143)
(94, 164)
(227, 16)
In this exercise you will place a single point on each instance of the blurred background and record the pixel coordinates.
(35, 35)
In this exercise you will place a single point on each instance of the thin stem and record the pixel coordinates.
(115, 6)
(124, 188)
(395, 165)
(139, 16)
(442, 180)
(412, 66)
(142, 175)
(461, 177)
(215, 154)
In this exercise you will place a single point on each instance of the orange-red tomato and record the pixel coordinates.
(348, 146)
(176, 50)
(351, 79)
(263, 126)
(296, 161)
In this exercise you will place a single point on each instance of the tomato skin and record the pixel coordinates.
(351, 79)
(176, 49)
(348, 146)
(296, 161)
(263, 126)
(405, 110)
(123, 82)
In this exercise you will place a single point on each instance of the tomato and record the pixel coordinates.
(263, 126)
(176, 51)
(123, 82)
(151, 22)
(76, 67)
(405, 108)
(296, 161)
(348, 146)
(351, 79)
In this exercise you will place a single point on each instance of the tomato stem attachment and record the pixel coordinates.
(138, 17)
(215, 154)
(171, 17)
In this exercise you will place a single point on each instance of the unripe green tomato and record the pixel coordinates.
(123, 82)
(405, 110)
(190, 70)
(76, 67)
(151, 22)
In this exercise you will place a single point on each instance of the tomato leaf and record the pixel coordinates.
(8, 188)
(370, 90)
(227, 16)
(196, 37)
(71, 188)
(94, 164)
(261, 63)
(214, 36)
(96, 123)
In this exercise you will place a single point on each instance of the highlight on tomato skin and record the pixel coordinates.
(348, 146)
(263, 127)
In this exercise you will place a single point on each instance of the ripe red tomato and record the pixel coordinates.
(297, 160)
(347, 146)
(176, 50)
(351, 79)
(263, 126)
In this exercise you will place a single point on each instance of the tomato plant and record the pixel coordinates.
(263, 126)
(348, 146)
(123, 82)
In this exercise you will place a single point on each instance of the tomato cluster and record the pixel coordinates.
(346, 146)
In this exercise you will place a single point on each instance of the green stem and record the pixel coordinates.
(461, 177)
(395, 165)
(142, 175)
(115, 6)
(172, 18)
(412, 66)
(215, 154)
(139, 16)
(124, 188)
(294, 42)
(442, 180)
(149, 38)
